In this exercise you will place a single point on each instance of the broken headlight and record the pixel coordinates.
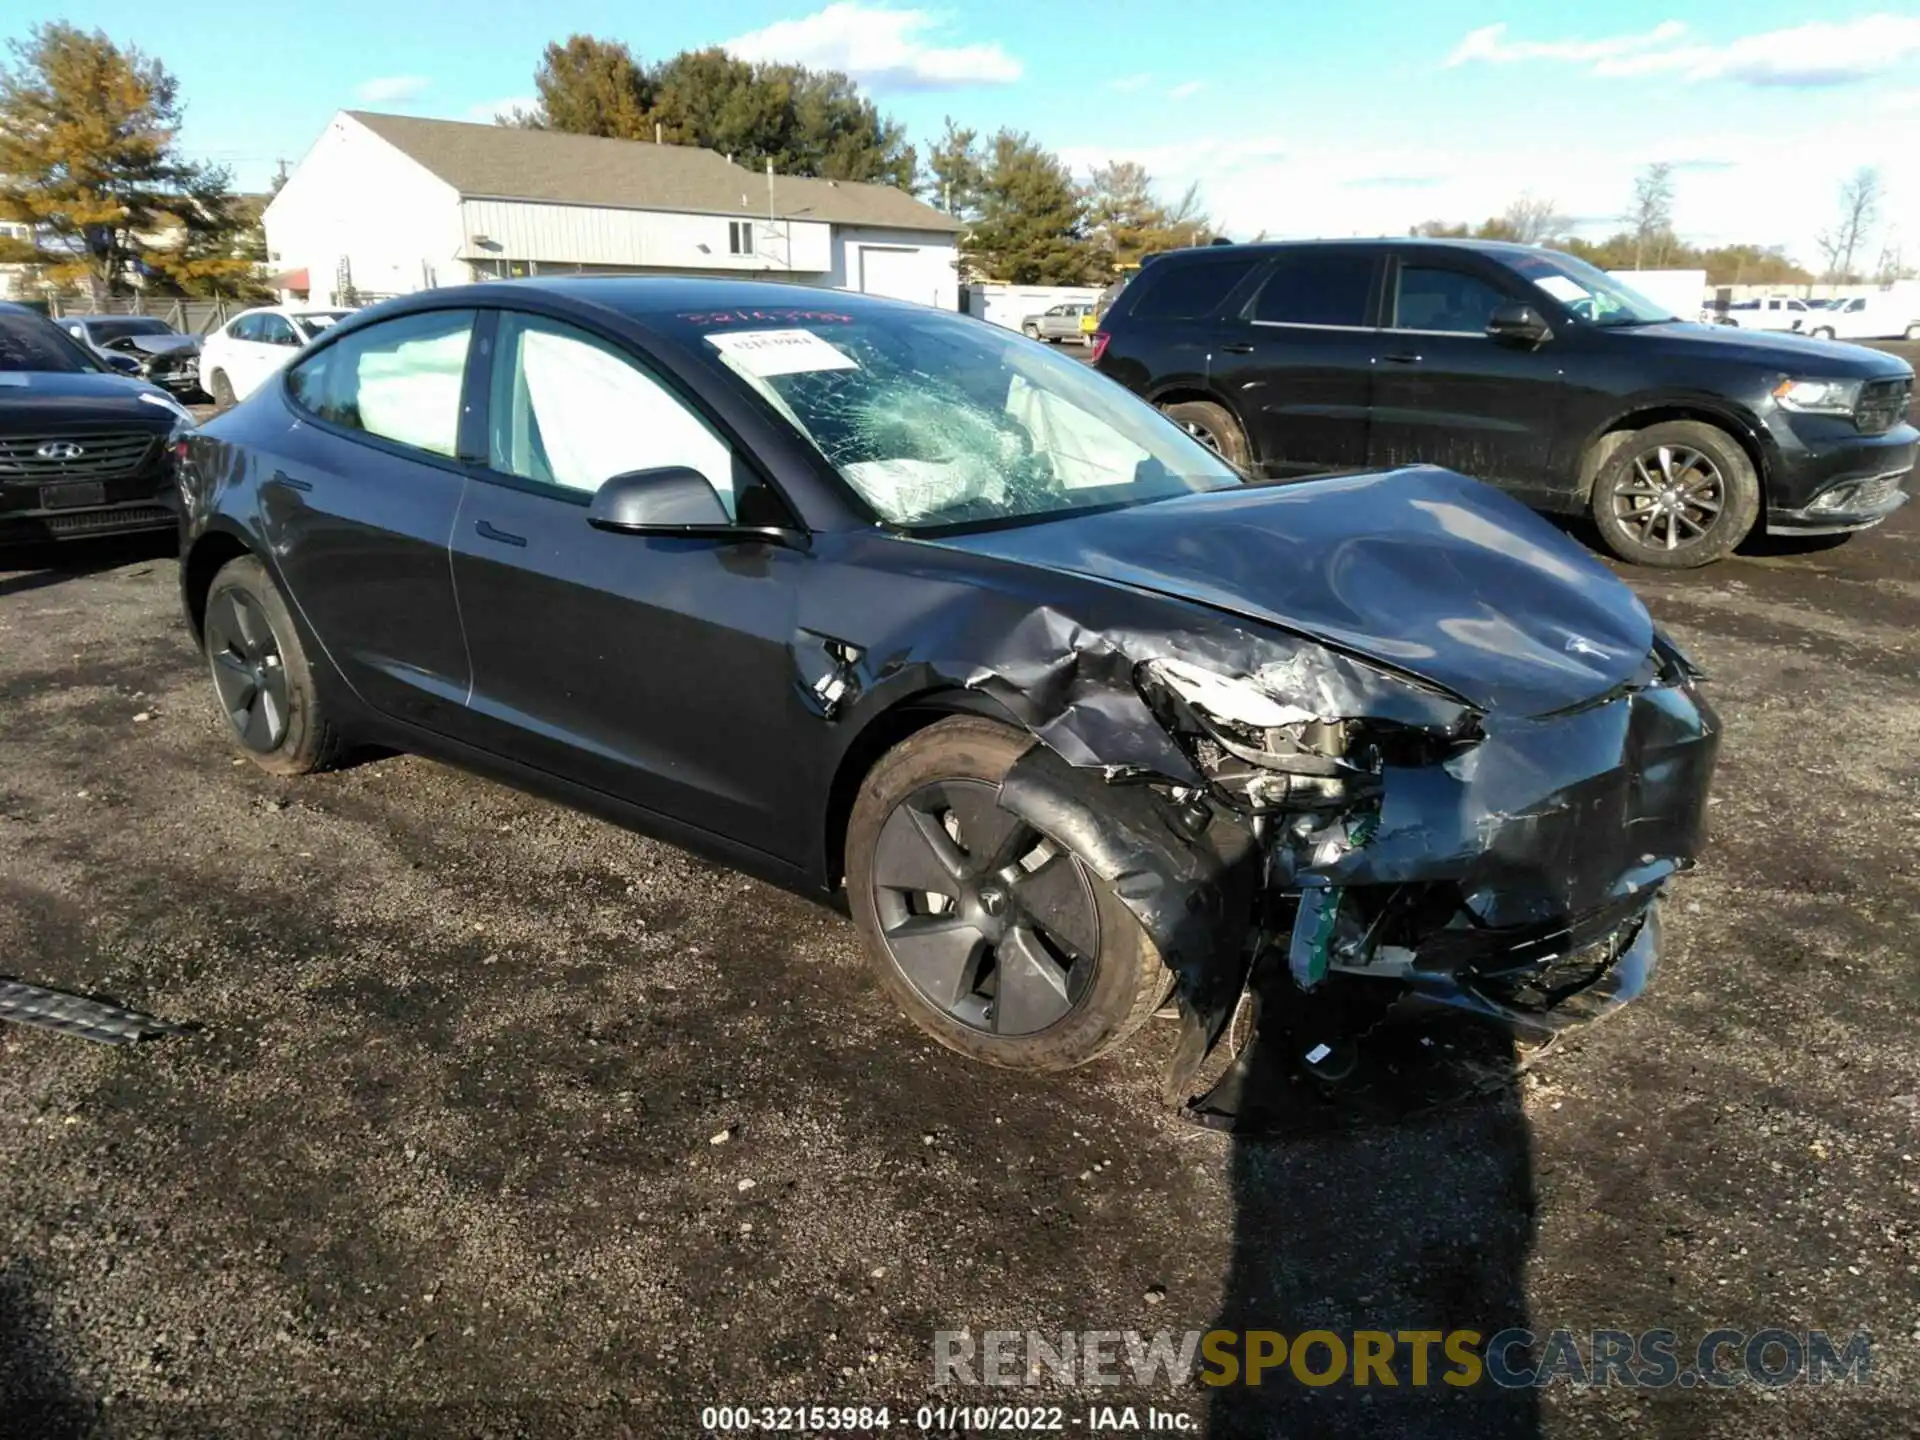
(1266, 751)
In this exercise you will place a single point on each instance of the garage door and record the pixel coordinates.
(899, 273)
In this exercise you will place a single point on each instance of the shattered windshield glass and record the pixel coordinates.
(938, 419)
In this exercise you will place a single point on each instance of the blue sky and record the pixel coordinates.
(1352, 118)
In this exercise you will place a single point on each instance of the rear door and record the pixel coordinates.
(358, 503)
(652, 668)
(1446, 394)
(1296, 363)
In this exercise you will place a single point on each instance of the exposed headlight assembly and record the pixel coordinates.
(1818, 397)
(1265, 751)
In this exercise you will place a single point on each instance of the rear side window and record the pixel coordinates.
(400, 380)
(1188, 291)
(1317, 287)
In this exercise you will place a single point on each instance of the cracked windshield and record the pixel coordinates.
(937, 421)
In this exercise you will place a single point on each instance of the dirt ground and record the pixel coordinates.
(441, 1158)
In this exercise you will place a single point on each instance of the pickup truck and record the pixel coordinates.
(1773, 312)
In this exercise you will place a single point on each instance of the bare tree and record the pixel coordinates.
(1651, 217)
(1532, 220)
(1859, 208)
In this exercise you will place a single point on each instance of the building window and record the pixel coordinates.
(740, 237)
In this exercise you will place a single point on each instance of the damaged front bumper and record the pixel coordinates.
(1512, 878)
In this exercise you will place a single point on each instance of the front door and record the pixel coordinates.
(651, 668)
(1297, 365)
(1444, 393)
(358, 502)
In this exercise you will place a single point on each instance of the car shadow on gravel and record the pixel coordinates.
(38, 1396)
(35, 567)
(1408, 1227)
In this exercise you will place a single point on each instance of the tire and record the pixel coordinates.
(1032, 332)
(1702, 462)
(1098, 990)
(222, 391)
(262, 681)
(1822, 332)
(1913, 332)
(1214, 428)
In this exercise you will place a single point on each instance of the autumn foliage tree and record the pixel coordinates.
(88, 162)
(806, 122)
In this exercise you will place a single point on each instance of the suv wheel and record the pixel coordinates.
(1214, 428)
(1676, 495)
(1032, 332)
(261, 676)
(991, 937)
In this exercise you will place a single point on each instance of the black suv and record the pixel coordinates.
(1526, 368)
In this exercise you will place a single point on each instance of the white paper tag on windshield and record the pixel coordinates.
(1561, 288)
(780, 352)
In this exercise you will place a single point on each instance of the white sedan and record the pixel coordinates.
(239, 355)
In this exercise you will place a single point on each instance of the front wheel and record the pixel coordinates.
(1822, 332)
(990, 936)
(1032, 332)
(1913, 332)
(1214, 428)
(221, 389)
(1676, 495)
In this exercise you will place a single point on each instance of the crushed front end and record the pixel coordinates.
(1362, 847)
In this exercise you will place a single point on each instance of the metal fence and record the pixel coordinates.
(189, 317)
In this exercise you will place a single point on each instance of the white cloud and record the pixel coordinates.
(1130, 82)
(883, 48)
(1294, 185)
(1818, 53)
(392, 89)
(487, 111)
(1490, 44)
(1186, 90)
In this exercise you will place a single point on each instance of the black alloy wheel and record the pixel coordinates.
(249, 672)
(260, 673)
(989, 921)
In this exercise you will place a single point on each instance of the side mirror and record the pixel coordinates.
(676, 500)
(1518, 323)
(124, 364)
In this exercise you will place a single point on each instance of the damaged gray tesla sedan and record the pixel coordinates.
(866, 598)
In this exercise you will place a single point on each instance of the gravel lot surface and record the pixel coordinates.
(443, 1157)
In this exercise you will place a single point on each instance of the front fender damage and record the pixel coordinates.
(1504, 869)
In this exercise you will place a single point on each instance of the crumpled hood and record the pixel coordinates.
(156, 344)
(1435, 574)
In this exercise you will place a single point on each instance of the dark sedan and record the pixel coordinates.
(83, 451)
(869, 599)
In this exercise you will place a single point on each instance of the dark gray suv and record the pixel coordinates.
(1523, 367)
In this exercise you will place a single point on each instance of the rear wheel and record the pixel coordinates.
(221, 389)
(1214, 428)
(261, 676)
(1675, 495)
(1913, 332)
(1822, 332)
(994, 940)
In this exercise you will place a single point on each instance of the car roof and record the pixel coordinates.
(642, 295)
(1280, 247)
